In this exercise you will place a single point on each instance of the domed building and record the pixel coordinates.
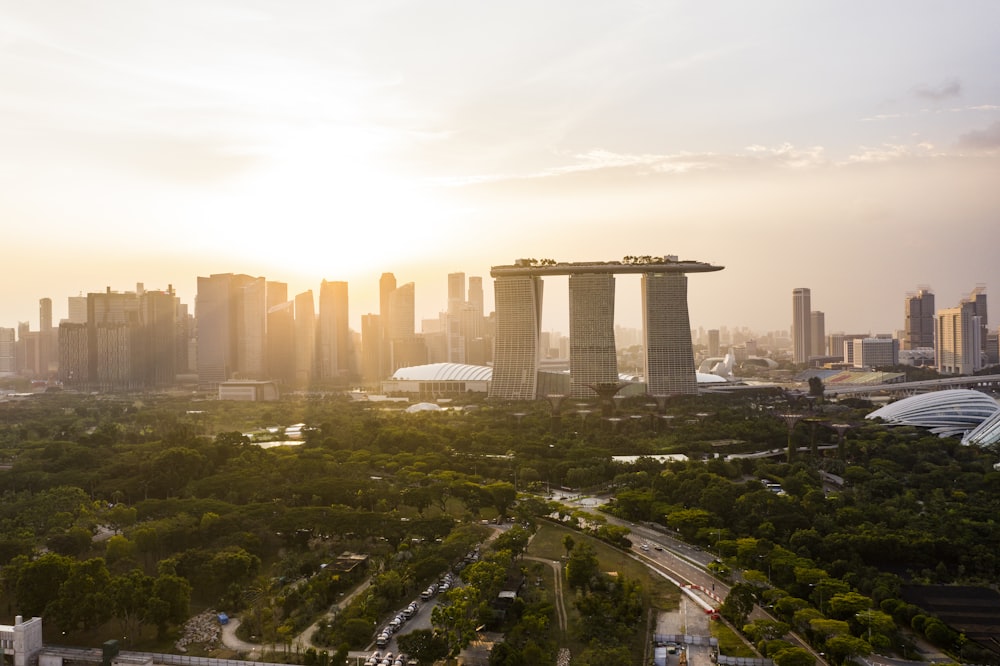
(948, 413)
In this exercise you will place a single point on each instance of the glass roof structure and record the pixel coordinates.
(987, 432)
(946, 413)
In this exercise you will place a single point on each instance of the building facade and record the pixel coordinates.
(669, 354)
(801, 325)
(593, 358)
(519, 319)
(959, 344)
(918, 325)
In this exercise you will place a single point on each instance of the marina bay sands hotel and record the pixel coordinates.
(669, 357)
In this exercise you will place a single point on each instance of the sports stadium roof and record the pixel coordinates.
(444, 372)
(459, 372)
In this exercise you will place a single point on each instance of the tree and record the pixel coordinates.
(765, 630)
(130, 596)
(846, 647)
(38, 582)
(172, 600)
(848, 604)
(502, 495)
(738, 604)
(582, 568)
(568, 543)
(423, 645)
(794, 656)
(83, 599)
(456, 619)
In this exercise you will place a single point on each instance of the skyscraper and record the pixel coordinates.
(217, 311)
(48, 340)
(918, 327)
(713, 342)
(592, 355)
(158, 317)
(77, 309)
(251, 329)
(305, 338)
(334, 337)
(372, 344)
(281, 342)
(456, 291)
(801, 329)
(7, 354)
(519, 318)
(817, 329)
(959, 340)
(667, 326)
(978, 300)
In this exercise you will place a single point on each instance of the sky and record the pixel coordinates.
(849, 147)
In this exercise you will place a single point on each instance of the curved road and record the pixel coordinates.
(301, 642)
(557, 593)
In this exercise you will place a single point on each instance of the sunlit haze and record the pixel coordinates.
(851, 148)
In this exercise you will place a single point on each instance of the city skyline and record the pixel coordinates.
(849, 148)
(555, 312)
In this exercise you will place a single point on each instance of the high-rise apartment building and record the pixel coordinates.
(959, 344)
(157, 365)
(801, 325)
(74, 364)
(918, 326)
(817, 332)
(592, 356)
(333, 354)
(114, 347)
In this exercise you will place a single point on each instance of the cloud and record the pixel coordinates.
(783, 156)
(986, 139)
(950, 88)
(882, 116)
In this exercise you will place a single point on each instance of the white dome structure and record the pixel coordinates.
(423, 407)
(444, 372)
(945, 413)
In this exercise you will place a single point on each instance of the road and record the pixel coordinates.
(300, 643)
(557, 592)
(683, 563)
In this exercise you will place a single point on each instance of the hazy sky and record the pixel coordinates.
(849, 147)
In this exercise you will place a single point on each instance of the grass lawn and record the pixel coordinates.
(658, 592)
